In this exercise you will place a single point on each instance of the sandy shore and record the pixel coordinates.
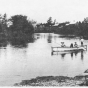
(55, 81)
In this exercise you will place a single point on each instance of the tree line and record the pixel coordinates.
(18, 29)
(66, 28)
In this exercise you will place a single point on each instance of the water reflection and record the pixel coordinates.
(49, 39)
(82, 56)
(34, 58)
(63, 55)
(72, 54)
(20, 43)
(3, 44)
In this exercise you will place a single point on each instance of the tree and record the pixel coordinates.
(85, 20)
(21, 24)
(4, 24)
(49, 21)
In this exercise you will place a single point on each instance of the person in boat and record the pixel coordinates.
(71, 46)
(62, 44)
(81, 41)
(75, 45)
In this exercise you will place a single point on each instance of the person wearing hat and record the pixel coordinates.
(62, 44)
(75, 45)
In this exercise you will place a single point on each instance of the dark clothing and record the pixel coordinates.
(71, 46)
(81, 43)
(75, 45)
(62, 45)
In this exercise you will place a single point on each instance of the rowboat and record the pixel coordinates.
(68, 49)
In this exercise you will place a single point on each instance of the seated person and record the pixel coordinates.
(75, 45)
(71, 46)
(62, 44)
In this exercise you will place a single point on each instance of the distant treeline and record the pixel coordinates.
(17, 29)
(66, 28)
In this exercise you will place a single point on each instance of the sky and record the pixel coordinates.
(41, 10)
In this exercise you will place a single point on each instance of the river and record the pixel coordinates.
(36, 59)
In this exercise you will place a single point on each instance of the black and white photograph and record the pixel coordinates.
(43, 43)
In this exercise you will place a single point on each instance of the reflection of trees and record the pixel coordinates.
(49, 39)
(19, 42)
(3, 43)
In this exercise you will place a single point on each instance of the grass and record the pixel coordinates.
(55, 81)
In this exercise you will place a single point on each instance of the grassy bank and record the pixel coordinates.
(55, 81)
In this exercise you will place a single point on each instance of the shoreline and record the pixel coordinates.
(80, 80)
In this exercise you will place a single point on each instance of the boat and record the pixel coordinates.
(68, 49)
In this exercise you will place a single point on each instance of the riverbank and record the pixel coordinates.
(55, 81)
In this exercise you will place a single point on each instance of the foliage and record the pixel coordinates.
(49, 21)
(18, 29)
(21, 24)
(3, 23)
(66, 28)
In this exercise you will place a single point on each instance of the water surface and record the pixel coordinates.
(20, 63)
